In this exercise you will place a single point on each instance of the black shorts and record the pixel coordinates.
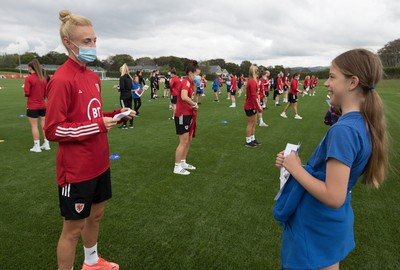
(292, 98)
(251, 112)
(285, 88)
(174, 99)
(36, 113)
(182, 124)
(233, 93)
(266, 93)
(76, 199)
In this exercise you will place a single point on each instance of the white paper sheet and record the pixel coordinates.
(284, 174)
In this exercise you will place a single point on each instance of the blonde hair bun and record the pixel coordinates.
(65, 15)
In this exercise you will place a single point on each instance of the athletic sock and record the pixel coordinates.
(248, 139)
(253, 137)
(36, 143)
(177, 164)
(91, 256)
(183, 162)
(261, 120)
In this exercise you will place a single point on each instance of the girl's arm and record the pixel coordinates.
(333, 191)
(186, 98)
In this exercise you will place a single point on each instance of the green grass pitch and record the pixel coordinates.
(219, 217)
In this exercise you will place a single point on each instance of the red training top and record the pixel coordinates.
(35, 91)
(294, 86)
(260, 88)
(286, 80)
(74, 120)
(174, 85)
(279, 85)
(252, 96)
(182, 107)
(306, 82)
(233, 83)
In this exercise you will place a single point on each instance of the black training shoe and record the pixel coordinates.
(251, 144)
(256, 142)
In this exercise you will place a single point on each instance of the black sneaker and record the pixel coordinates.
(256, 142)
(251, 144)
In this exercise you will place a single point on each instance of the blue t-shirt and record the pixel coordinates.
(215, 85)
(136, 86)
(316, 235)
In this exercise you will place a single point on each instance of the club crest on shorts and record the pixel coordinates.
(79, 207)
(186, 127)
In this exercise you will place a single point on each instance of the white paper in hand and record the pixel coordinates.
(284, 174)
(122, 115)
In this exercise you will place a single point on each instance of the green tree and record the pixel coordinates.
(28, 56)
(244, 67)
(217, 62)
(118, 60)
(9, 61)
(390, 54)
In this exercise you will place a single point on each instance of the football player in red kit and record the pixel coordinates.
(76, 121)
(294, 90)
(251, 107)
(185, 118)
(174, 85)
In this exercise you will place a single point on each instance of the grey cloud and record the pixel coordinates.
(292, 32)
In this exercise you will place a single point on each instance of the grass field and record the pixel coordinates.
(219, 217)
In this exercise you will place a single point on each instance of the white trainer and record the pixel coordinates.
(232, 106)
(45, 146)
(180, 170)
(188, 166)
(262, 124)
(298, 117)
(36, 149)
(283, 115)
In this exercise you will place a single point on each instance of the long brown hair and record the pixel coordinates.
(37, 67)
(367, 66)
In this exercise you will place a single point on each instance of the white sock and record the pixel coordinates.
(46, 141)
(183, 162)
(91, 256)
(248, 139)
(177, 164)
(253, 137)
(36, 143)
(261, 120)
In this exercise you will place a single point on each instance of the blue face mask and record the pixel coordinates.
(86, 54)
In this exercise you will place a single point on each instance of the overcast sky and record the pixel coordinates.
(287, 32)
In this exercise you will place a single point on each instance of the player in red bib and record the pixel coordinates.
(185, 118)
(233, 90)
(76, 121)
(261, 84)
(251, 107)
(34, 89)
(294, 90)
(174, 86)
(286, 88)
(313, 85)
(306, 85)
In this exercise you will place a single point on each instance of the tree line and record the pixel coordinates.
(389, 54)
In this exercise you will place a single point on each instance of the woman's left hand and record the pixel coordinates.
(131, 115)
(292, 162)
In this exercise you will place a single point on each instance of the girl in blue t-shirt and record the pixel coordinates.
(314, 207)
(215, 87)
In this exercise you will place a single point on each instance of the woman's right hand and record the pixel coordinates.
(109, 122)
(279, 160)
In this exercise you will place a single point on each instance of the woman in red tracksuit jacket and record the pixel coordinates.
(76, 121)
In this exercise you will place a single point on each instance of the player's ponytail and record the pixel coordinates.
(368, 68)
